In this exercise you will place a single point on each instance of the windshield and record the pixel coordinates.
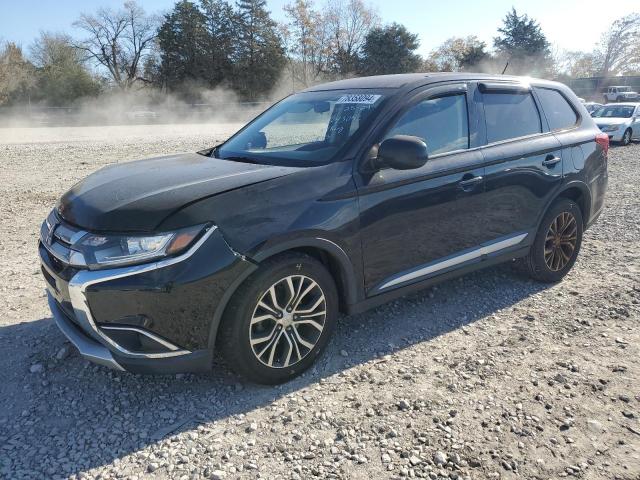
(617, 111)
(304, 129)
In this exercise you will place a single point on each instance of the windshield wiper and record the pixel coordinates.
(207, 152)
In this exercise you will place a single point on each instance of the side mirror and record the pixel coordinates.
(402, 152)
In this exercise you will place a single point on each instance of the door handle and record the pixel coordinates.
(551, 160)
(466, 184)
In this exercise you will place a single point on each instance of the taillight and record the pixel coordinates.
(602, 139)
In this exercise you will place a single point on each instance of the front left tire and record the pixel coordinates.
(280, 320)
(626, 137)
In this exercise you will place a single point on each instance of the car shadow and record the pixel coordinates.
(85, 416)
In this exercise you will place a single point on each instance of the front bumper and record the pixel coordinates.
(88, 348)
(151, 318)
(615, 135)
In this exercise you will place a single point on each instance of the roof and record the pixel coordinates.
(378, 81)
(622, 104)
(403, 79)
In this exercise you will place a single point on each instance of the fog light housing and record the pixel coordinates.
(137, 339)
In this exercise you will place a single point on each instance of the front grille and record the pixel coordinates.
(49, 278)
(58, 238)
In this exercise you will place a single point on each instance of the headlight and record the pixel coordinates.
(610, 128)
(115, 250)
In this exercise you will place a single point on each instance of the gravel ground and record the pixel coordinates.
(487, 376)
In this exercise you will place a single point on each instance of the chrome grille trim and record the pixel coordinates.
(57, 238)
(144, 332)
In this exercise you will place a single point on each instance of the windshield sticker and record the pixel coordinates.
(361, 98)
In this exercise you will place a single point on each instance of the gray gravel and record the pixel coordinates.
(487, 376)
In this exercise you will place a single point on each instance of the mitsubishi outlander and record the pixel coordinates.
(336, 199)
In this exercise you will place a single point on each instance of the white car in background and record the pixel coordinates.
(621, 121)
(620, 94)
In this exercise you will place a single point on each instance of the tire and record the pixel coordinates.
(626, 137)
(552, 267)
(250, 317)
(618, 99)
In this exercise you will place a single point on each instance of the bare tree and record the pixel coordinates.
(306, 41)
(51, 48)
(458, 53)
(619, 47)
(348, 23)
(577, 64)
(119, 41)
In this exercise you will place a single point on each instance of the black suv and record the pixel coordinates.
(337, 198)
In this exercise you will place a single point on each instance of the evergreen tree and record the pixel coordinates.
(523, 45)
(259, 57)
(220, 40)
(183, 42)
(390, 49)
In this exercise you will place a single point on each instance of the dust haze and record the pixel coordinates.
(143, 106)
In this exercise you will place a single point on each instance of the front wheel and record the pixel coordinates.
(626, 137)
(280, 319)
(557, 243)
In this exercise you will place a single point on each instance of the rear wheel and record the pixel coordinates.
(557, 242)
(626, 137)
(280, 320)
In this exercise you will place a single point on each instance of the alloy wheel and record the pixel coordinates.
(287, 321)
(560, 242)
(626, 139)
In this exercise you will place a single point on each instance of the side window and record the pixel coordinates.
(510, 115)
(441, 122)
(558, 111)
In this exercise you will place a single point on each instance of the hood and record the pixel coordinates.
(601, 121)
(137, 196)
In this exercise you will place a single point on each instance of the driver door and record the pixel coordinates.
(418, 223)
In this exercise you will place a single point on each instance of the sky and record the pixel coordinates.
(568, 24)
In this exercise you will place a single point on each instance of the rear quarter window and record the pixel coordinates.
(557, 109)
(510, 115)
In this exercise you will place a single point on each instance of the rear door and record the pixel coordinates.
(524, 160)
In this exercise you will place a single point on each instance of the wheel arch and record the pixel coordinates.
(331, 255)
(579, 193)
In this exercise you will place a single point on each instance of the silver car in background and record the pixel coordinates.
(592, 106)
(621, 121)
